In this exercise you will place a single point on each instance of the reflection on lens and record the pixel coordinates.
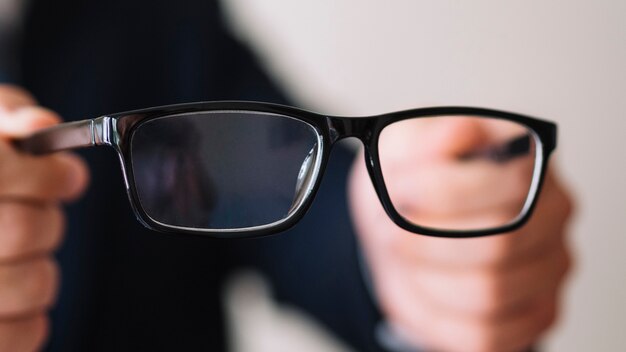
(458, 172)
(222, 170)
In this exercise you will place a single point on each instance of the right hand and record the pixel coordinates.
(495, 293)
(31, 221)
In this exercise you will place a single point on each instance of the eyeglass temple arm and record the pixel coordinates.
(69, 135)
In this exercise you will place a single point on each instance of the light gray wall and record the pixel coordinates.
(559, 59)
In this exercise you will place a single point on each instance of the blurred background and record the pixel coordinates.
(560, 60)
(563, 60)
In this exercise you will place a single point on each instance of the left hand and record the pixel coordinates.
(32, 190)
(497, 293)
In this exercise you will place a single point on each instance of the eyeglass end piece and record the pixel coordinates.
(70, 135)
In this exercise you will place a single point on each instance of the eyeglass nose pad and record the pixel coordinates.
(305, 176)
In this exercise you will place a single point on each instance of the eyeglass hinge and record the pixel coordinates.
(101, 131)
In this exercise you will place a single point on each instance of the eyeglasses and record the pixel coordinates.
(244, 169)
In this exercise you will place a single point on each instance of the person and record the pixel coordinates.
(126, 288)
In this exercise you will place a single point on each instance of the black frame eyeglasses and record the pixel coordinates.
(121, 130)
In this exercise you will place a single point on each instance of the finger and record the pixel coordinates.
(28, 229)
(27, 287)
(461, 189)
(515, 334)
(550, 218)
(454, 136)
(61, 176)
(431, 184)
(527, 327)
(545, 228)
(24, 335)
(433, 328)
(489, 253)
(18, 114)
(24, 120)
(428, 139)
(492, 293)
(13, 97)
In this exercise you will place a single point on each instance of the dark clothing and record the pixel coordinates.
(125, 287)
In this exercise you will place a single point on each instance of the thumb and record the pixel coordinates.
(19, 115)
(26, 120)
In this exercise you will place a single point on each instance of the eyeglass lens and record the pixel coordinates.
(228, 170)
(223, 170)
(451, 172)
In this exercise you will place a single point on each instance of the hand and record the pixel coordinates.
(31, 222)
(497, 293)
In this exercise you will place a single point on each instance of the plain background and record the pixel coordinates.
(561, 60)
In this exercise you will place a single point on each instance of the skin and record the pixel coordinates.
(489, 294)
(31, 222)
(497, 293)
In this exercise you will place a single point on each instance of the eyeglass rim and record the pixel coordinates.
(125, 155)
(116, 130)
(328, 135)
